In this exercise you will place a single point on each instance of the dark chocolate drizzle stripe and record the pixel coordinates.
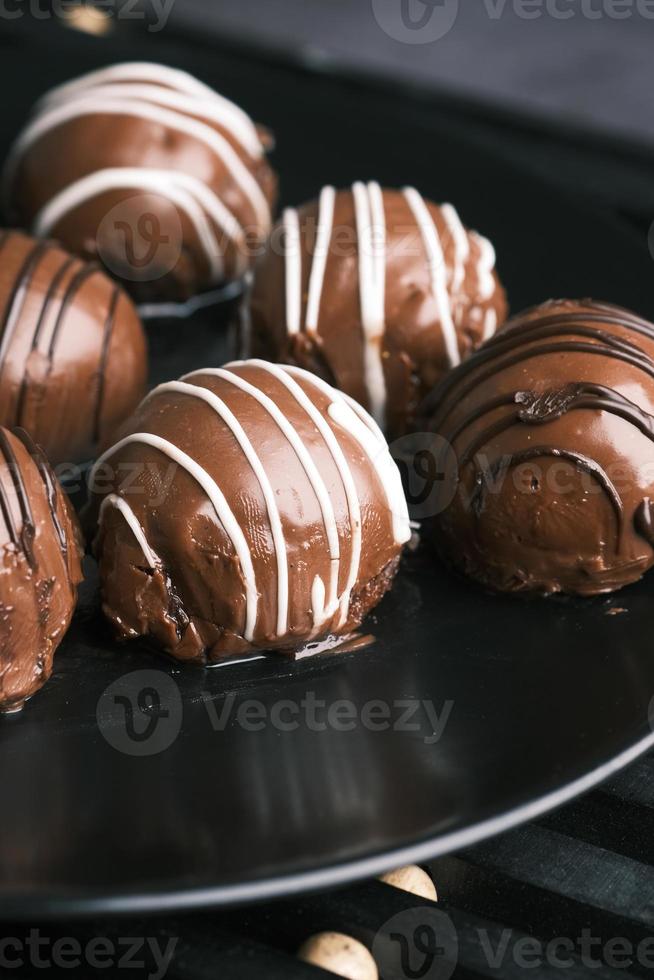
(595, 314)
(535, 408)
(573, 397)
(49, 481)
(26, 535)
(544, 331)
(583, 463)
(102, 367)
(74, 286)
(528, 334)
(20, 288)
(641, 363)
(48, 298)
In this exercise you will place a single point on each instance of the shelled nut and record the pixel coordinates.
(339, 954)
(412, 879)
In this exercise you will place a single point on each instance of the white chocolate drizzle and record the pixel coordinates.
(189, 194)
(369, 209)
(318, 610)
(461, 245)
(485, 266)
(206, 102)
(279, 542)
(215, 111)
(219, 503)
(283, 374)
(372, 237)
(313, 474)
(121, 505)
(166, 118)
(174, 101)
(292, 270)
(437, 272)
(346, 412)
(325, 600)
(319, 262)
(490, 324)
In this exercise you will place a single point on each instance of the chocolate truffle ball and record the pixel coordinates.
(552, 425)
(148, 170)
(40, 568)
(247, 507)
(379, 292)
(72, 349)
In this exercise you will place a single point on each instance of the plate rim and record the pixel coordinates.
(335, 876)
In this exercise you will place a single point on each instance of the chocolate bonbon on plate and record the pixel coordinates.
(378, 291)
(550, 487)
(40, 567)
(73, 361)
(250, 507)
(150, 171)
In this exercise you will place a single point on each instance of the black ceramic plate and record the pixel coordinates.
(130, 783)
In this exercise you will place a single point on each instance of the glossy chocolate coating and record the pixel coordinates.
(40, 569)
(246, 508)
(377, 291)
(73, 358)
(552, 423)
(148, 170)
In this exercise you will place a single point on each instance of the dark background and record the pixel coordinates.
(561, 88)
(588, 62)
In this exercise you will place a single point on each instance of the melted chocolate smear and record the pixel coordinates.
(176, 609)
(546, 406)
(351, 643)
(333, 644)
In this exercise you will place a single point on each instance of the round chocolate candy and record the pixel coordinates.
(73, 361)
(148, 170)
(250, 507)
(379, 292)
(40, 567)
(551, 481)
